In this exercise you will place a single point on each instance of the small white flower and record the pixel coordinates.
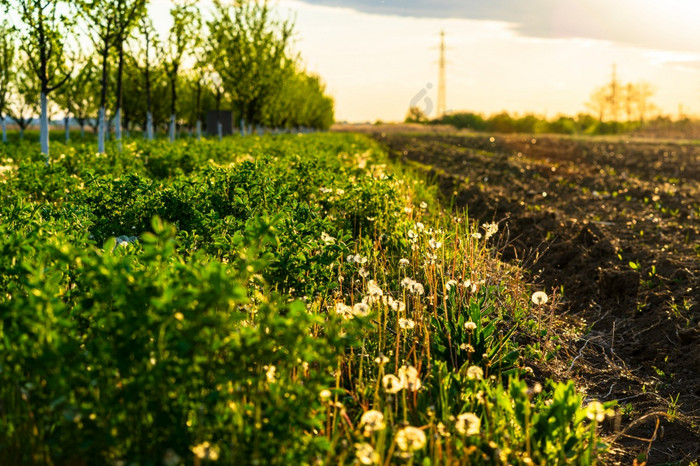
(469, 326)
(450, 284)
(412, 235)
(423, 205)
(408, 210)
(326, 238)
(434, 244)
(420, 226)
(490, 228)
(404, 262)
(363, 273)
(469, 286)
(476, 235)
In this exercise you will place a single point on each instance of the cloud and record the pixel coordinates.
(668, 25)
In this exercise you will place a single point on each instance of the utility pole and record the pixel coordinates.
(441, 104)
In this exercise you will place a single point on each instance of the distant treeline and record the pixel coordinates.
(582, 123)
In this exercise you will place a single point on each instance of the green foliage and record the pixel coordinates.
(252, 300)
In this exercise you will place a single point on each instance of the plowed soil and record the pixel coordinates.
(613, 228)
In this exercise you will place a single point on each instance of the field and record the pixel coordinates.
(315, 299)
(612, 226)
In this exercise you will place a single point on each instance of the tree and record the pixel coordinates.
(109, 21)
(79, 96)
(249, 53)
(598, 102)
(43, 40)
(24, 101)
(416, 115)
(644, 92)
(184, 36)
(7, 56)
(127, 16)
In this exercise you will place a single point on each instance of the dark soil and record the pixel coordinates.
(613, 227)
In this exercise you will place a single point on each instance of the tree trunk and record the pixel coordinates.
(66, 125)
(103, 99)
(199, 130)
(172, 127)
(219, 130)
(44, 126)
(101, 131)
(82, 130)
(118, 128)
(120, 68)
(3, 122)
(149, 126)
(242, 127)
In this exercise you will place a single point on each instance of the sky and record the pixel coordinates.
(536, 56)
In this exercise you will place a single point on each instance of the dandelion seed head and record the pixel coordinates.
(408, 375)
(406, 324)
(381, 359)
(365, 453)
(410, 439)
(372, 421)
(468, 424)
(539, 298)
(475, 373)
(392, 384)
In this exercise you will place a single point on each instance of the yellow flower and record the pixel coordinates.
(325, 394)
(206, 451)
(475, 373)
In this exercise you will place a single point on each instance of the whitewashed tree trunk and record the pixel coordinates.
(199, 130)
(149, 126)
(44, 127)
(101, 131)
(82, 131)
(220, 130)
(3, 121)
(172, 127)
(242, 127)
(118, 123)
(66, 126)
